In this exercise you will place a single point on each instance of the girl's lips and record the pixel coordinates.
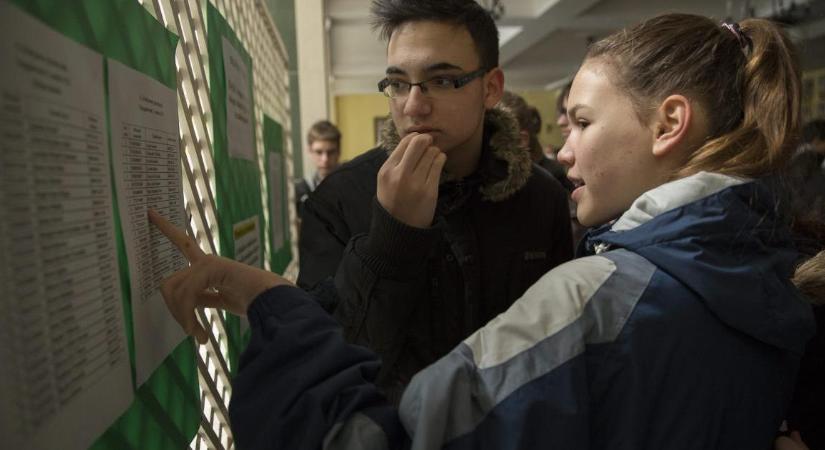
(577, 193)
(579, 188)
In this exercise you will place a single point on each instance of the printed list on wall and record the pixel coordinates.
(146, 158)
(65, 374)
(82, 137)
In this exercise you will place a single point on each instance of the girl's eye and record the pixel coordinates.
(582, 123)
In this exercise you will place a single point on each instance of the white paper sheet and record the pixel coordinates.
(145, 152)
(239, 122)
(276, 200)
(64, 376)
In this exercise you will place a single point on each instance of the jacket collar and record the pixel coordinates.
(504, 167)
(655, 202)
(727, 240)
(673, 195)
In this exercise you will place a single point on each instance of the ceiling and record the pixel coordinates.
(543, 41)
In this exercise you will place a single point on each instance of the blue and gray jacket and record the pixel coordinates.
(683, 331)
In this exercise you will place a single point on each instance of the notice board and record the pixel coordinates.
(90, 134)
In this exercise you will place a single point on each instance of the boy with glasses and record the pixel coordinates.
(419, 242)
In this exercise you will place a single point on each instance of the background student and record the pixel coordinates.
(324, 149)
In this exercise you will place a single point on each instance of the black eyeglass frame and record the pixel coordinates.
(457, 82)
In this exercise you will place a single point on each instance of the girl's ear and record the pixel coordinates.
(671, 125)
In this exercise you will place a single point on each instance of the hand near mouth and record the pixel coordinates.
(408, 180)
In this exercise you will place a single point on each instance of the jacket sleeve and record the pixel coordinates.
(301, 386)
(379, 282)
(370, 281)
(324, 235)
(524, 380)
(520, 382)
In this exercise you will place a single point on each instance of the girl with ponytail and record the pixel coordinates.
(681, 328)
(742, 83)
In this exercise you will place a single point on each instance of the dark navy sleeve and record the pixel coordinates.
(298, 378)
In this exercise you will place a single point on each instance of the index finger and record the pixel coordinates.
(176, 236)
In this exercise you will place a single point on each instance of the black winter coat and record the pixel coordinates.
(413, 294)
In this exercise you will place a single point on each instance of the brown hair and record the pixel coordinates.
(809, 234)
(323, 130)
(745, 78)
(528, 118)
(809, 278)
(751, 93)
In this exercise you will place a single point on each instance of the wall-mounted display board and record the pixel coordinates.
(237, 175)
(252, 24)
(90, 141)
(80, 163)
(277, 185)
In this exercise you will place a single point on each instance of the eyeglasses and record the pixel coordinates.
(437, 85)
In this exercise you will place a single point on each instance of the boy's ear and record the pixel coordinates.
(493, 87)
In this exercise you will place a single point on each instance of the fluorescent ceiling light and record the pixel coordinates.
(506, 33)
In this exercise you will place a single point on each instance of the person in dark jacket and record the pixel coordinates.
(410, 258)
(806, 174)
(562, 120)
(806, 180)
(324, 149)
(682, 329)
(529, 122)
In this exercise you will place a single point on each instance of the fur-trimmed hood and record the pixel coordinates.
(504, 167)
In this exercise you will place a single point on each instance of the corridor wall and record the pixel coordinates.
(166, 45)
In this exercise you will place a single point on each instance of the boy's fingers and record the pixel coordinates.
(415, 150)
(434, 176)
(426, 162)
(397, 154)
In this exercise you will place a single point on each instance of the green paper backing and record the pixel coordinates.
(238, 181)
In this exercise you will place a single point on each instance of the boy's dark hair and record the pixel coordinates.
(813, 130)
(388, 15)
(323, 130)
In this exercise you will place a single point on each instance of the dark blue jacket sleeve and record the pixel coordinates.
(298, 378)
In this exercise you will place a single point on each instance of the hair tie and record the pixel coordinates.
(744, 41)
